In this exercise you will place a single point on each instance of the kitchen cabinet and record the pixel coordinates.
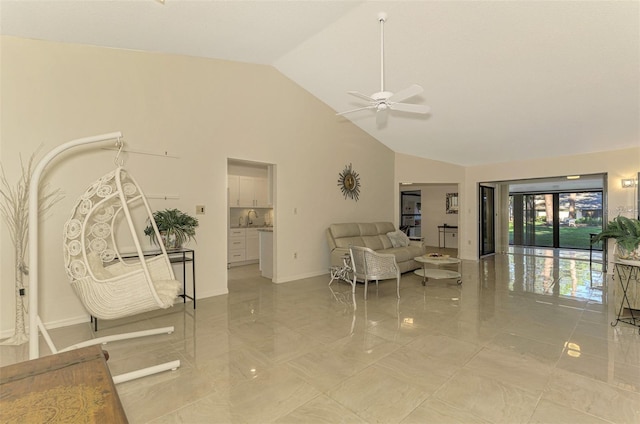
(266, 253)
(246, 191)
(261, 192)
(250, 192)
(244, 245)
(236, 249)
(233, 186)
(252, 244)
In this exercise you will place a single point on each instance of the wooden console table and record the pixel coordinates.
(69, 387)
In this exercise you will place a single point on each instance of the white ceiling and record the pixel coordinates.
(505, 80)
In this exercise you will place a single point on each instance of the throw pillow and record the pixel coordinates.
(404, 239)
(398, 238)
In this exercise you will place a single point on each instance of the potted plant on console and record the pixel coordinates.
(626, 233)
(176, 228)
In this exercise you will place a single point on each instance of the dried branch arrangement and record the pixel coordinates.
(14, 208)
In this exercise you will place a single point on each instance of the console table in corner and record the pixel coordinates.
(176, 256)
(443, 230)
(627, 272)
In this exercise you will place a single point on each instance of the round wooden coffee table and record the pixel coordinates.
(436, 273)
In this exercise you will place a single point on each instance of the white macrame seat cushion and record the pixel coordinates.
(108, 286)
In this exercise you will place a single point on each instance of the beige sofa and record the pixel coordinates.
(374, 236)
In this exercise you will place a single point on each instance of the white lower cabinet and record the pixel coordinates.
(252, 244)
(244, 245)
(236, 250)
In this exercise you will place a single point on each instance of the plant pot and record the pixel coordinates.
(169, 240)
(625, 256)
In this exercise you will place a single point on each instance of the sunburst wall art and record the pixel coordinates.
(349, 183)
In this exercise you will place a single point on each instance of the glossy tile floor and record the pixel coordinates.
(524, 339)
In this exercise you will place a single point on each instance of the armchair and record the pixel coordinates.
(368, 265)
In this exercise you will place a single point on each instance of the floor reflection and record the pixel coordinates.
(524, 338)
(557, 272)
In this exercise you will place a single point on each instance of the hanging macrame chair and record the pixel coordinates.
(108, 286)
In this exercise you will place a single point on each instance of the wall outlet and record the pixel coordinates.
(199, 209)
(295, 255)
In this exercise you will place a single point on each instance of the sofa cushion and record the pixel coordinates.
(349, 241)
(344, 230)
(373, 236)
(384, 227)
(368, 229)
(373, 242)
(405, 253)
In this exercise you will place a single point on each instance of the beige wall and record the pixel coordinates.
(202, 111)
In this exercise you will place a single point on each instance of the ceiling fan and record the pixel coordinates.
(382, 101)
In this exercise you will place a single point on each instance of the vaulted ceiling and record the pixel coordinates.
(505, 80)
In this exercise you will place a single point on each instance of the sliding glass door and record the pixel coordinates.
(563, 220)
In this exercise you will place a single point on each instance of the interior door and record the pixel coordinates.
(487, 221)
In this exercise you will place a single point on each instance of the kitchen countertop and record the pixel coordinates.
(258, 227)
(266, 229)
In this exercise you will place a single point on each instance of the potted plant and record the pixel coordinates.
(176, 228)
(626, 232)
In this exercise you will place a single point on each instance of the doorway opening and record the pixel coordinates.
(429, 212)
(251, 217)
(557, 213)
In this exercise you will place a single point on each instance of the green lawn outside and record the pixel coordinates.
(570, 237)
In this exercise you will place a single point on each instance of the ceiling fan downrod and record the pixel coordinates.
(382, 18)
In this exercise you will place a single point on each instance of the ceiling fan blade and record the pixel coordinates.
(361, 96)
(401, 95)
(408, 107)
(355, 110)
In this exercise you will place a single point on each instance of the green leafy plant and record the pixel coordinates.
(173, 224)
(625, 231)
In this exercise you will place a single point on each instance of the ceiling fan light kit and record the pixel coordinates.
(385, 100)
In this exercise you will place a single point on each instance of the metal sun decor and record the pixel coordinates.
(349, 183)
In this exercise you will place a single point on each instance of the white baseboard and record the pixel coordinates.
(301, 276)
(50, 325)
